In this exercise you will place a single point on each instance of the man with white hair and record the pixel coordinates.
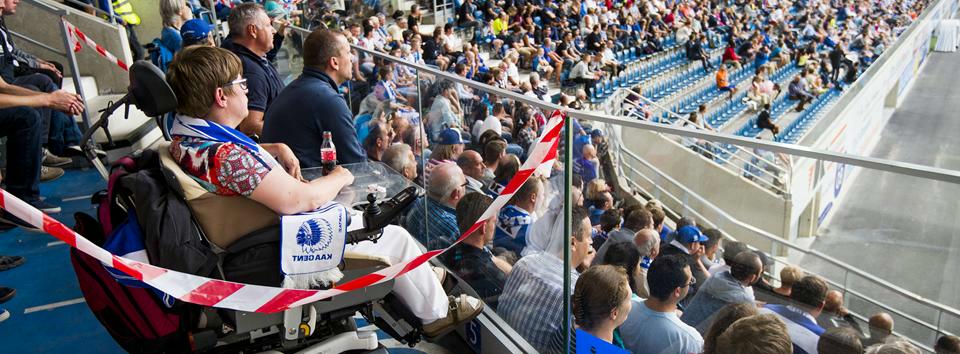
(433, 220)
(648, 243)
(400, 158)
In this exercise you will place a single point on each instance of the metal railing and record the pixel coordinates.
(731, 155)
(106, 14)
(67, 51)
(849, 271)
(661, 179)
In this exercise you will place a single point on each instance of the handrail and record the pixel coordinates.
(904, 168)
(37, 43)
(844, 288)
(773, 238)
(96, 9)
(910, 169)
(49, 8)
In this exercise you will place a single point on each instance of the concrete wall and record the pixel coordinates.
(150, 21)
(42, 26)
(736, 196)
(855, 123)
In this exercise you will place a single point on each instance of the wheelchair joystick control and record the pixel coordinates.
(372, 208)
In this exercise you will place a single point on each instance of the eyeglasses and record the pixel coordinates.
(242, 82)
(692, 282)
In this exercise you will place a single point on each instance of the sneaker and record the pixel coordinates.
(10, 262)
(49, 159)
(463, 308)
(4, 315)
(9, 222)
(45, 207)
(6, 294)
(48, 174)
(440, 273)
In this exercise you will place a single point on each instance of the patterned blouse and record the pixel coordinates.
(226, 169)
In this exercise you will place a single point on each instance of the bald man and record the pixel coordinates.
(881, 328)
(472, 165)
(835, 315)
(432, 219)
(648, 243)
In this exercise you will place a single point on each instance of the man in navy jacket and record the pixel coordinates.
(312, 104)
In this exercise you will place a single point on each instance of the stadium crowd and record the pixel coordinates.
(643, 282)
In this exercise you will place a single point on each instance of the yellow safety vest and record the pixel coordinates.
(124, 9)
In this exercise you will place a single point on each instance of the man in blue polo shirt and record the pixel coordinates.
(251, 37)
(311, 104)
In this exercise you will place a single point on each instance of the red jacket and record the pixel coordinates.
(730, 54)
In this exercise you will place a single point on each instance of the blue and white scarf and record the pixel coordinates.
(186, 126)
(312, 243)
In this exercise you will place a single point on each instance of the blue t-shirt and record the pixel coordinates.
(513, 224)
(171, 39)
(652, 332)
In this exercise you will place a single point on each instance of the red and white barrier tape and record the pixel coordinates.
(78, 36)
(256, 298)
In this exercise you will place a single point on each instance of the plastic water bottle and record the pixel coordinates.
(328, 154)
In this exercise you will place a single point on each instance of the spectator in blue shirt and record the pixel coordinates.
(587, 164)
(311, 104)
(653, 325)
(514, 220)
(432, 219)
(727, 287)
(532, 299)
(808, 297)
(173, 13)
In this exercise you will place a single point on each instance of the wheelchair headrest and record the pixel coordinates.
(149, 90)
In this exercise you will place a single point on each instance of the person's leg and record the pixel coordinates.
(135, 48)
(419, 289)
(21, 126)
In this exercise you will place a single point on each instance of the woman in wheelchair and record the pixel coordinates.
(243, 186)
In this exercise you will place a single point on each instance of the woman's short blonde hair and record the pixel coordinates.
(195, 74)
(790, 275)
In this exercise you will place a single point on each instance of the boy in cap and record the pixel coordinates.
(196, 31)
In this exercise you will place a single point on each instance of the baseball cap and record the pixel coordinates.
(195, 31)
(690, 234)
(596, 133)
(450, 136)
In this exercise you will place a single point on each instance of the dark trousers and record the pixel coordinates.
(58, 130)
(136, 49)
(21, 126)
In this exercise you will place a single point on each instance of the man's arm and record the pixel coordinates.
(252, 124)
(16, 96)
(344, 133)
